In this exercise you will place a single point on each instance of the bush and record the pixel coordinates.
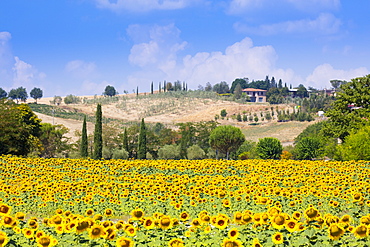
(308, 148)
(269, 148)
(169, 152)
(106, 153)
(223, 113)
(120, 154)
(356, 145)
(71, 99)
(195, 153)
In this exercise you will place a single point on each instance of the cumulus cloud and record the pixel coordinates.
(324, 24)
(322, 74)
(161, 49)
(81, 69)
(144, 5)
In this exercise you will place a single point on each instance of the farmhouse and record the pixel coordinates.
(256, 95)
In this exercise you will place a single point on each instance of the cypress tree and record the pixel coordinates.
(141, 150)
(151, 88)
(84, 142)
(159, 87)
(98, 138)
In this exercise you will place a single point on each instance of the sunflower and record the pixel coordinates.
(278, 238)
(361, 231)
(205, 218)
(98, 217)
(226, 203)
(231, 242)
(124, 242)
(82, 226)
(20, 215)
(335, 231)
(184, 216)
(291, 225)
(311, 213)
(130, 230)
(8, 221)
(233, 233)
(3, 239)
(46, 241)
(5, 209)
(176, 242)
(238, 217)
(28, 233)
(221, 222)
(247, 218)
(108, 212)
(59, 211)
(297, 215)
(137, 214)
(96, 231)
(149, 223)
(33, 223)
(56, 220)
(165, 222)
(89, 212)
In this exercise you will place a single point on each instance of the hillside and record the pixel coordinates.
(176, 108)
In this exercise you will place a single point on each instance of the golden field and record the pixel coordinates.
(76, 202)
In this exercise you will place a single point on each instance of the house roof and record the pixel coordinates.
(253, 90)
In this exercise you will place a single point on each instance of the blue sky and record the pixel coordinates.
(81, 46)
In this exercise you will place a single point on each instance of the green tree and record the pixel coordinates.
(36, 93)
(110, 91)
(221, 87)
(351, 109)
(169, 152)
(53, 140)
(141, 150)
(238, 92)
(223, 113)
(84, 146)
(302, 91)
(195, 153)
(98, 134)
(125, 141)
(243, 82)
(269, 148)
(71, 99)
(226, 139)
(19, 128)
(356, 145)
(3, 93)
(18, 94)
(308, 148)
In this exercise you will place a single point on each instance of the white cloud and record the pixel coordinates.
(322, 74)
(315, 4)
(144, 5)
(161, 49)
(324, 24)
(81, 69)
(26, 75)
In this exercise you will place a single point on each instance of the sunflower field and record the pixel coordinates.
(85, 202)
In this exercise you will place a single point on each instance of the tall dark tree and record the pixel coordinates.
(159, 87)
(3, 93)
(141, 150)
(151, 88)
(137, 91)
(280, 85)
(84, 142)
(98, 134)
(36, 93)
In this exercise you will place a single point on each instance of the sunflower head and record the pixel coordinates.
(3, 239)
(96, 231)
(335, 231)
(124, 242)
(233, 233)
(231, 242)
(176, 242)
(361, 231)
(278, 238)
(137, 214)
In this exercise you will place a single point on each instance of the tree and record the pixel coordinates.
(269, 148)
(221, 87)
(151, 88)
(336, 83)
(308, 148)
(36, 93)
(84, 146)
(56, 100)
(223, 113)
(356, 145)
(238, 92)
(141, 150)
(3, 93)
(71, 99)
(195, 153)
(98, 134)
(351, 109)
(18, 94)
(302, 91)
(243, 82)
(125, 141)
(53, 140)
(110, 91)
(226, 139)
(169, 152)
(208, 87)
(19, 128)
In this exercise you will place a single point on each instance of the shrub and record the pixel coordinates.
(269, 148)
(169, 152)
(195, 153)
(119, 154)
